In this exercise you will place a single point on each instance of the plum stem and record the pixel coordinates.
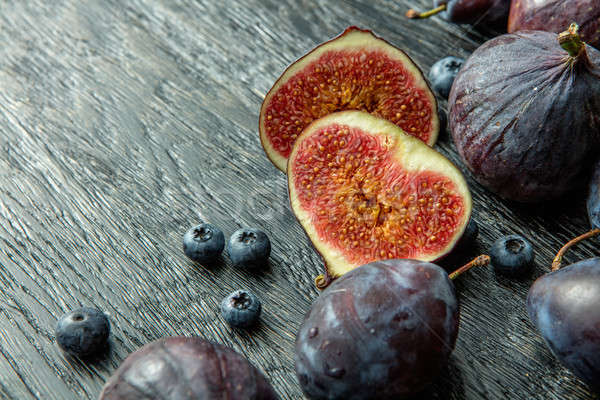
(412, 14)
(556, 263)
(570, 40)
(478, 261)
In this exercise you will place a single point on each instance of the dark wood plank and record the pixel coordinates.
(124, 123)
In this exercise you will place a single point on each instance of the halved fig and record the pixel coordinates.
(365, 191)
(354, 71)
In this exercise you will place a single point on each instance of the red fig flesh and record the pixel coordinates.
(355, 71)
(364, 191)
(525, 113)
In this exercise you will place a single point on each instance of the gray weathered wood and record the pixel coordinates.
(123, 123)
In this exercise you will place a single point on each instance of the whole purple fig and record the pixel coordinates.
(554, 15)
(186, 368)
(484, 12)
(525, 113)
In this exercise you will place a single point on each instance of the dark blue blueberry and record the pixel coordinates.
(241, 309)
(83, 332)
(512, 255)
(442, 74)
(249, 248)
(203, 243)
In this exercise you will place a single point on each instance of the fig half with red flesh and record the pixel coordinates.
(355, 71)
(554, 15)
(364, 191)
(525, 113)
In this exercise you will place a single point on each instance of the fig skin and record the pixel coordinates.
(374, 98)
(554, 15)
(488, 12)
(393, 182)
(381, 331)
(525, 116)
(186, 368)
(593, 200)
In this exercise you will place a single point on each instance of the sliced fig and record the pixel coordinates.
(525, 113)
(365, 191)
(354, 71)
(186, 368)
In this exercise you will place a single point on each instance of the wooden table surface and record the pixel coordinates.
(123, 123)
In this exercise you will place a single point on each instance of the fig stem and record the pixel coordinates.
(412, 14)
(478, 261)
(556, 263)
(571, 41)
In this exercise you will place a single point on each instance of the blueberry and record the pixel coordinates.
(512, 255)
(241, 309)
(442, 74)
(249, 248)
(83, 332)
(203, 243)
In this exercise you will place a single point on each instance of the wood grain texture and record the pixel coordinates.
(123, 123)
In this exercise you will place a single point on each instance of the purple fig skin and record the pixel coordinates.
(186, 368)
(525, 116)
(555, 15)
(563, 305)
(487, 12)
(593, 200)
(381, 331)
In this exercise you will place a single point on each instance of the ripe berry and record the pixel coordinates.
(203, 243)
(512, 255)
(241, 309)
(83, 331)
(442, 74)
(249, 247)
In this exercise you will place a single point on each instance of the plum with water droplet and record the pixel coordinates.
(564, 307)
(381, 331)
(564, 304)
(186, 368)
(593, 200)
